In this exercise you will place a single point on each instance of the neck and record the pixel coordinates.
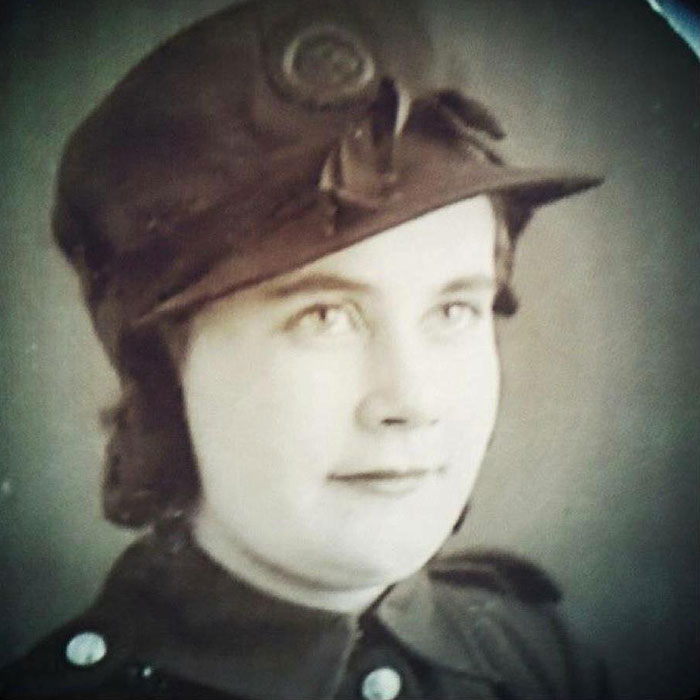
(229, 553)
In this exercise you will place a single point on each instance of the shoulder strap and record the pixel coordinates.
(498, 571)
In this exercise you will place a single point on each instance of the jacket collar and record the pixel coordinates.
(198, 622)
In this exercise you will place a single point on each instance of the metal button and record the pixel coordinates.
(381, 684)
(86, 649)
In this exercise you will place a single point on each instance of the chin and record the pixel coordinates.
(384, 567)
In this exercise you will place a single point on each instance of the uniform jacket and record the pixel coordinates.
(176, 625)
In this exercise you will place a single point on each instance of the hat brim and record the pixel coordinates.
(426, 181)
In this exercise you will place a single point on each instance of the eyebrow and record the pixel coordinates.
(469, 284)
(317, 282)
(325, 282)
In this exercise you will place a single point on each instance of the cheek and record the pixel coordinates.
(277, 416)
(470, 380)
(470, 388)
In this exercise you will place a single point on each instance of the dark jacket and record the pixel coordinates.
(176, 625)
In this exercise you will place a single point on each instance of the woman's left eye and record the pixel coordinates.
(454, 315)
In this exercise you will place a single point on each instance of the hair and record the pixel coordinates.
(150, 470)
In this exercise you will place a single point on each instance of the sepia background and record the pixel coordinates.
(594, 468)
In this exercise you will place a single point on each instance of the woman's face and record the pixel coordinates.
(339, 413)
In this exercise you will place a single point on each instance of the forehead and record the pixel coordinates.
(449, 248)
(454, 241)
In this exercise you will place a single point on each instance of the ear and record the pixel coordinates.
(505, 303)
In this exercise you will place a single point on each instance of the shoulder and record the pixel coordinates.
(86, 654)
(102, 653)
(79, 663)
(496, 571)
(508, 607)
(493, 616)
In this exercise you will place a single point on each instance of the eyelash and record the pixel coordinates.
(473, 308)
(318, 309)
(445, 324)
(473, 311)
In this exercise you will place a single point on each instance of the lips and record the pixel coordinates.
(389, 481)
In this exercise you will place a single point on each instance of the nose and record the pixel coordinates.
(400, 390)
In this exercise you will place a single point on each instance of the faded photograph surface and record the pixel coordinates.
(348, 350)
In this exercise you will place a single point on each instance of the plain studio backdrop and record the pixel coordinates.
(594, 468)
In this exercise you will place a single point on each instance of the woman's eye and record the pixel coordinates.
(454, 316)
(326, 320)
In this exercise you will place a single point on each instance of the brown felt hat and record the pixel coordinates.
(260, 139)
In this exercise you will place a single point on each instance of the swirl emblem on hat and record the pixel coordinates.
(326, 65)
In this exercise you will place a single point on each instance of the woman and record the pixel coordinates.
(292, 238)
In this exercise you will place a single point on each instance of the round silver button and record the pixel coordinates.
(381, 684)
(86, 649)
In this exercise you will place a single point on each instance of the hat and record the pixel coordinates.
(261, 139)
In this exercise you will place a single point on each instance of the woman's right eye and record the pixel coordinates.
(326, 320)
